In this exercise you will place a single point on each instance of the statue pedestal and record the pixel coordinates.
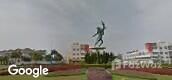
(98, 49)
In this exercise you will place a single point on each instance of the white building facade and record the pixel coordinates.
(154, 52)
(78, 52)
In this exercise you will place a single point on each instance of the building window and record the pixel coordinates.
(82, 57)
(170, 52)
(160, 47)
(77, 57)
(154, 57)
(170, 47)
(77, 53)
(73, 49)
(77, 49)
(73, 53)
(155, 53)
(82, 54)
(161, 52)
(154, 44)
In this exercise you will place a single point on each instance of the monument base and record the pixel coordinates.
(98, 49)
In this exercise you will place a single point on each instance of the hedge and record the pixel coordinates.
(96, 65)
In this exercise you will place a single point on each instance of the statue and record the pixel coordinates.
(99, 34)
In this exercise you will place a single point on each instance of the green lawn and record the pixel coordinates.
(159, 77)
(163, 77)
(3, 66)
(17, 77)
(117, 77)
(79, 77)
(76, 77)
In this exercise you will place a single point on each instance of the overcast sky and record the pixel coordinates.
(55, 24)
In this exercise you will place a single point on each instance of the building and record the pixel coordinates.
(24, 57)
(152, 53)
(77, 52)
(5, 53)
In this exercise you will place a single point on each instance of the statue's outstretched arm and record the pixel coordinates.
(94, 35)
(103, 24)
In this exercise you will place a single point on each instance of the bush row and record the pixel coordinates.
(166, 65)
(96, 65)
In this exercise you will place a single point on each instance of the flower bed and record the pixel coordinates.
(96, 65)
(66, 73)
(161, 71)
(63, 67)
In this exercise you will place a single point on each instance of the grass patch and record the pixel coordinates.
(118, 77)
(166, 65)
(163, 77)
(132, 74)
(25, 77)
(3, 66)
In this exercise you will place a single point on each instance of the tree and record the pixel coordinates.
(112, 57)
(26, 58)
(93, 58)
(37, 56)
(87, 58)
(106, 57)
(56, 55)
(97, 58)
(4, 60)
(48, 57)
(16, 54)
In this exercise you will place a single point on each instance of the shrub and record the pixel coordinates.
(166, 65)
(96, 65)
(63, 67)
(66, 73)
(4, 72)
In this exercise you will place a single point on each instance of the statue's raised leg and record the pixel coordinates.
(96, 43)
(101, 42)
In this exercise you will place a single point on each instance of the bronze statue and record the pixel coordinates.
(99, 34)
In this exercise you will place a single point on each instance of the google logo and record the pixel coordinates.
(36, 72)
